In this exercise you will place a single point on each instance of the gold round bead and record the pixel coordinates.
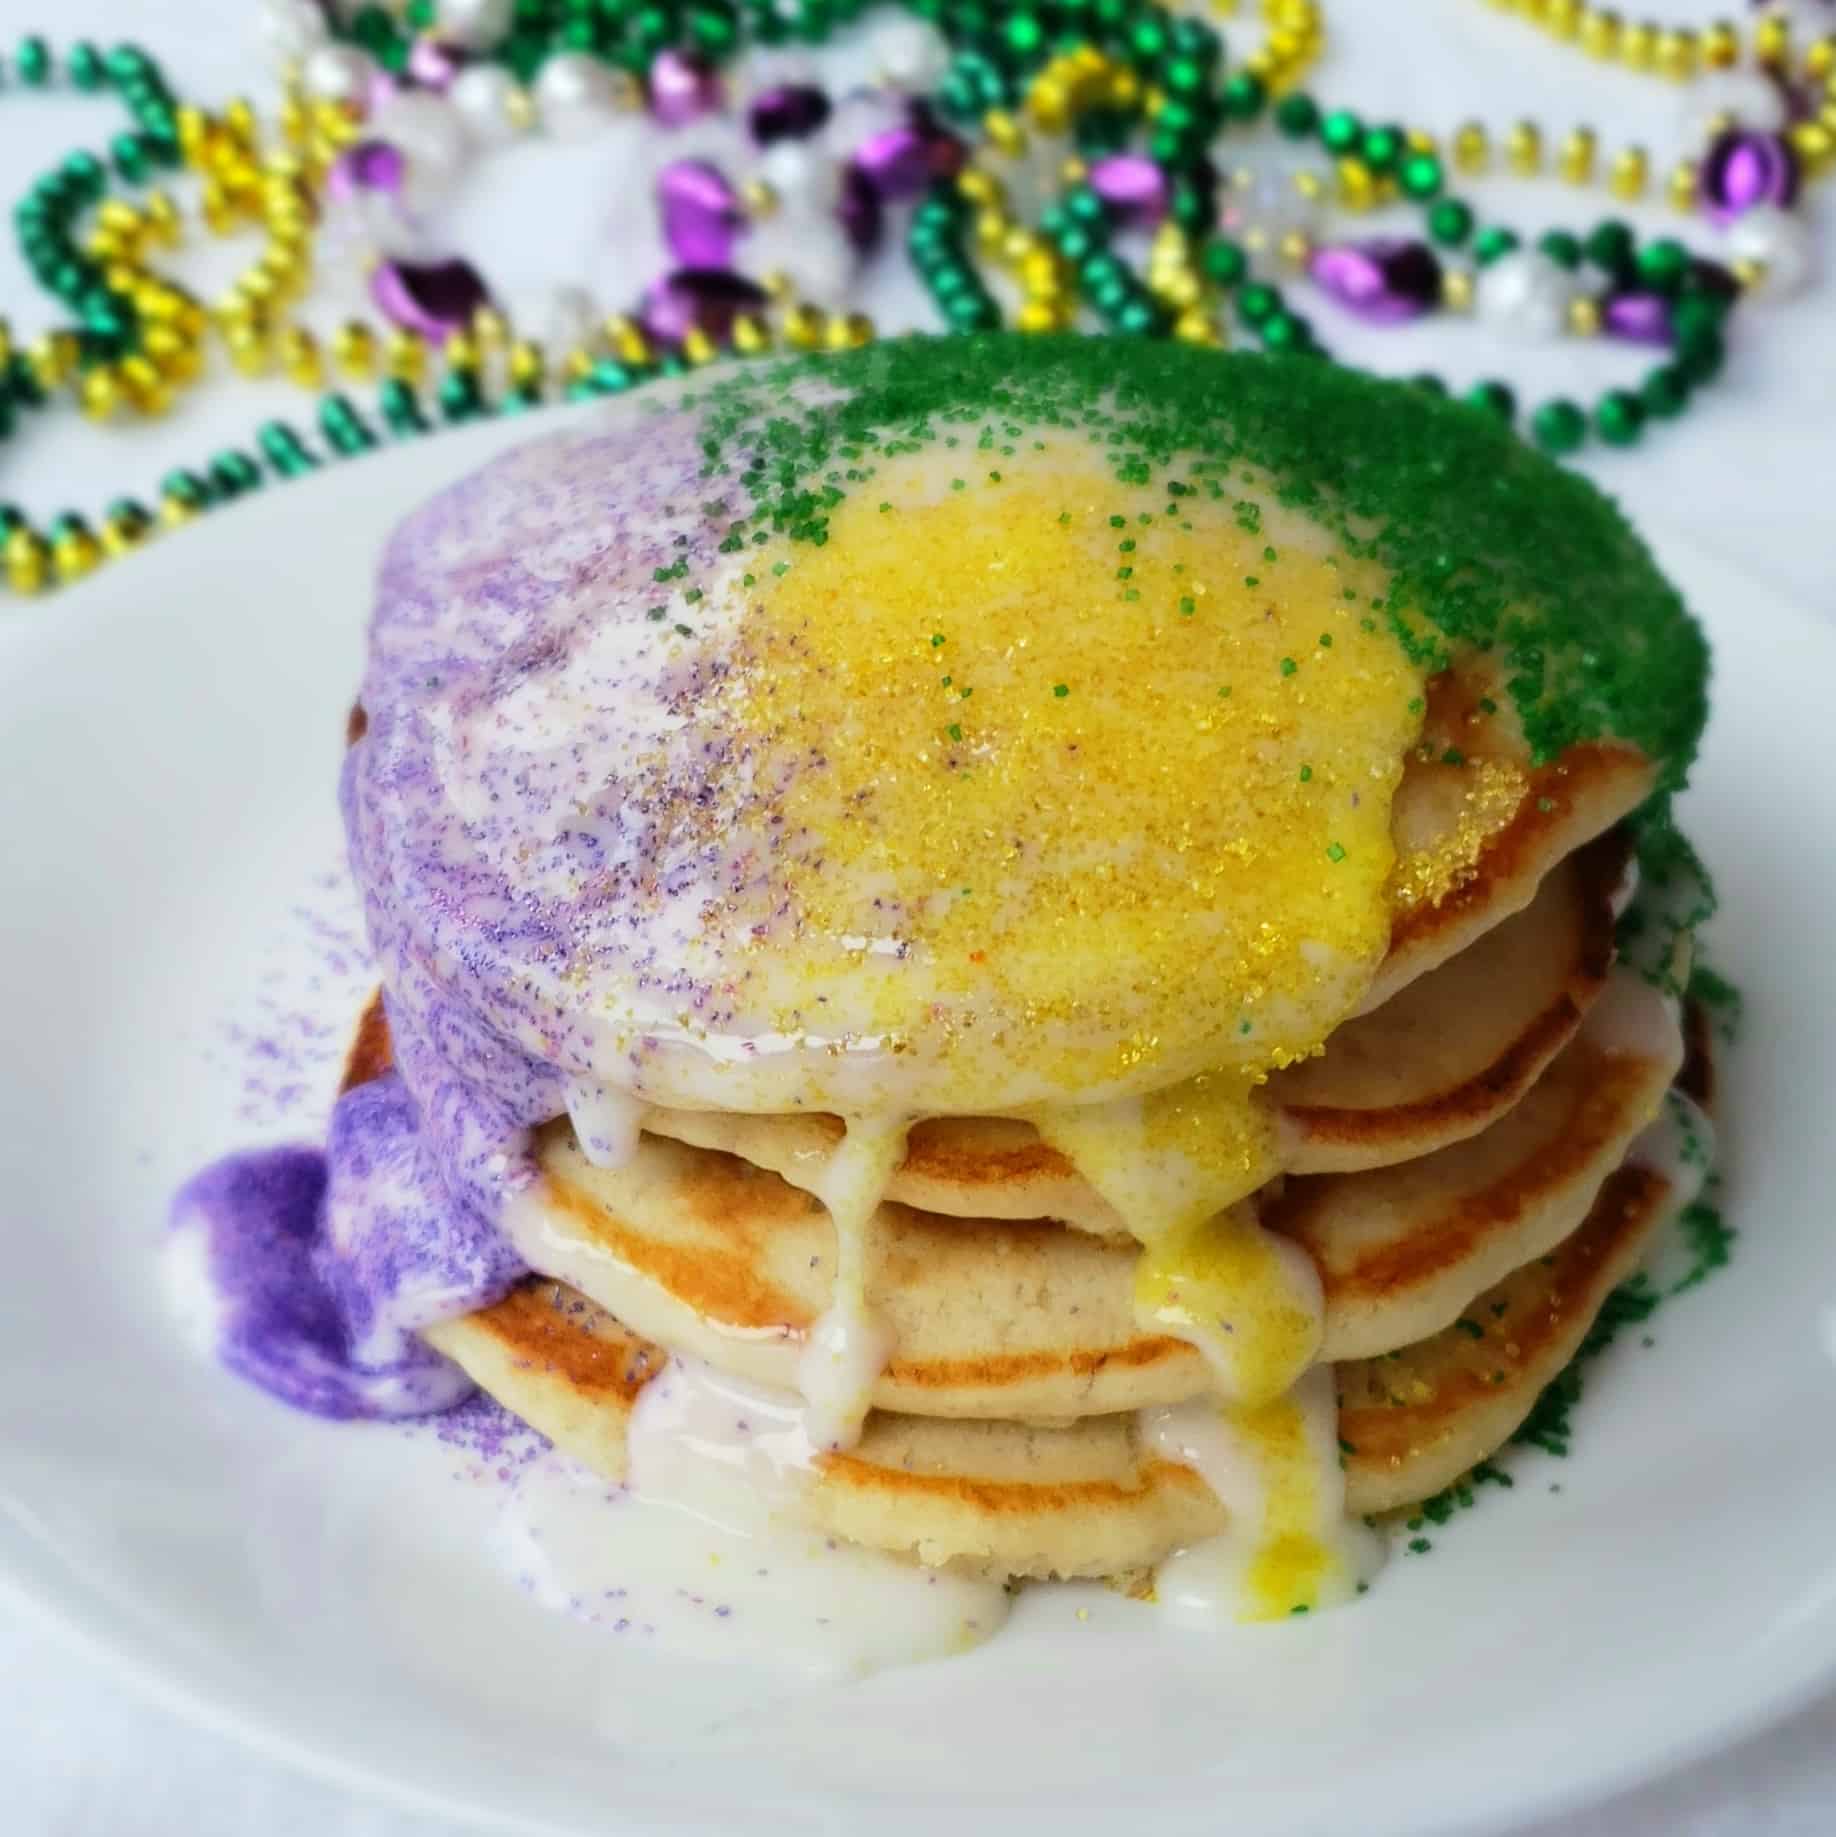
(698, 347)
(759, 200)
(1575, 157)
(1524, 148)
(122, 534)
(1456, 290)
(1562, 18)
(1037, 316)
(1680, 187)
(751, 335)
(1772, 39)
(1721, 44)
(28, 561)
(300, 358)
(1472, 147)
(1357, 185)
(74, 554)
(174, 510)
(99, 394)
(847, 331)
(354, 350)
(527, 364)
(1197, 328)
(248, 349)
(629, 341)
(1678, 51)
(461, 352)
(803, 325)
(1638, 45)
(1629, 173)
(1584, 316)
(405, 356)
(1295, 248)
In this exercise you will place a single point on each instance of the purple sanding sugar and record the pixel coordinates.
(258, 1217)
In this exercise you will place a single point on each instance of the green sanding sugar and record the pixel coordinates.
(1489, 544)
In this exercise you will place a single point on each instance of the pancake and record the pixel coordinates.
(1084, 1500)
(714, 1256)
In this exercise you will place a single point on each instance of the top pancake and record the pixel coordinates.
(672, 779)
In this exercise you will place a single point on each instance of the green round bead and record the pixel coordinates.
(1450, 221)
(1224, 261)
(1665, 392)
(1619, 417)
(1561, 248)
(1244, 95)
(84, 176)
(189, 488)
(1610, 245)
(1341, 131)
(1558, 426)
(1701, 354)
(714, 30)
(1697, 312)
(1381, 147)
(1495, 398)
(1138, 317)
(33, 63)
(132, 157)
(1256, 302)
(1421, 176)
(1024, 35)
(1183, 76)
(1297, 114)
(1191, 204)
(1428, 383)
(1492, 242)
(1663, 264)
(1148, 39)
(1282, 331)
(85, 67)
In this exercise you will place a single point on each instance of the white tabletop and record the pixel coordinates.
(1747, 473)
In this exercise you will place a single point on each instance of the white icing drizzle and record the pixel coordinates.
(1632, 1016)
(606, 1121)
(702, 1554)
(849, 1345)
(1289, 1546)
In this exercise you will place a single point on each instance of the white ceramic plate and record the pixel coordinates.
(169, 743)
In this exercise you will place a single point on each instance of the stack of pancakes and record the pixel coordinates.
(1046, 911)
(1456, 1165)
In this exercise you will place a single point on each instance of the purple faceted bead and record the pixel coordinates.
(1743, 169)
(791, 111)
(1384, 280)
(367, 166)
(682, 89)
(903, 162)
(701, 213)
(1134, 188)
(433, 298)
(704, 299)
(1638, 318)
(859, 210)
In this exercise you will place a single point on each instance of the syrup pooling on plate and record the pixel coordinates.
(702, 1553)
